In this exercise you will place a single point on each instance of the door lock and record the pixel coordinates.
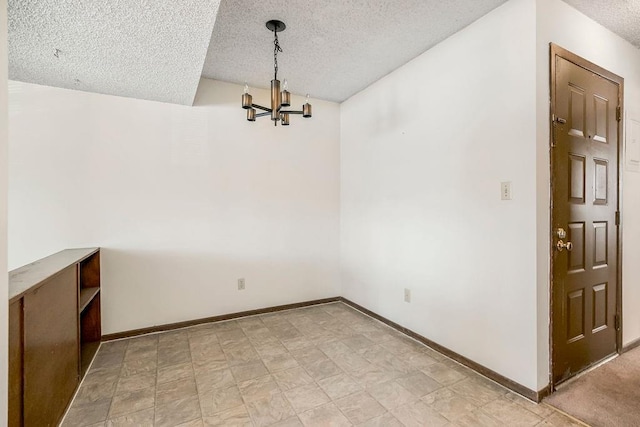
(561, 233)
(562, 245)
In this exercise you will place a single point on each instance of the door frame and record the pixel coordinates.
(555, 50)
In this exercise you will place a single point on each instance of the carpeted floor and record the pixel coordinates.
(607, 396)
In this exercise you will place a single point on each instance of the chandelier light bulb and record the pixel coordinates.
(307, 99)
(246, 87)
(285, 84)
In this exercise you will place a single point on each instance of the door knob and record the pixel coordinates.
(562, 245)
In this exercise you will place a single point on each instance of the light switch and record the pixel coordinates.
(505, 190)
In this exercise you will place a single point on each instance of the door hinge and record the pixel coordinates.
(618, 113)
(616, 321)
(617, 217)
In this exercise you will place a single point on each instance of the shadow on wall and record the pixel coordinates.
(143, 288)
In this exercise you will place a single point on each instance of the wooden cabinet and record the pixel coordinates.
(54, 332)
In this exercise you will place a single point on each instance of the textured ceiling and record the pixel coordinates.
(331, 48)
(158, 49)
(620, 16)
(146, 49)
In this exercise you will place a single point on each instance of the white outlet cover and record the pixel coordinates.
(505, 190)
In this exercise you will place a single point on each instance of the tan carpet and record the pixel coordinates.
(606, 396)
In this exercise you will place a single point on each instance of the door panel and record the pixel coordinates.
(584, 204)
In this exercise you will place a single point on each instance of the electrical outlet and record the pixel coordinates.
(505, 190)
(241, 284)
(407, 295)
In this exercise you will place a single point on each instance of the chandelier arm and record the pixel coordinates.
(263, 114)
(290, 112)
(260, 107)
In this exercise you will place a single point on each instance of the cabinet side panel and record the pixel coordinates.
(15, 363)
(50, 349)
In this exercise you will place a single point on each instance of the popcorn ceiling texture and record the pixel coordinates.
(620, 16)
(157, 50)
(332, 48)
(143, 49)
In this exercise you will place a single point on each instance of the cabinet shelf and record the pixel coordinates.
(86, 296)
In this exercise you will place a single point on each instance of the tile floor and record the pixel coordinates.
(326, 365)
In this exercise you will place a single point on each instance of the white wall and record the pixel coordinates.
(423, 153)
(559, 23)
(184, 200)
(4, 294)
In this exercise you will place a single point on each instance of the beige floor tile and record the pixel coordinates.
(102, 375)
(136, 382)
(358, 342)
(249, 371)
(220, 399)
(541, 409)
(350, 362)
(258, 388)
(418, 414)
(142, 418)
(298, 343)
(264, 369)
(134, 353)
(360, 407)
(238, 416)
(176, 412)
(280, 362)
(209, 361)
(477, 418)
(386, 420)
(511, 414)
(232, 338)
(134, 401)
(306, 397)
(87, 414)
(322, 369)
(292, 378)
(138, 366)
(372, 375)
(338, 386)
(241, 356)
(334, 348)
(449, 403)
(417, 359)
(175, 390)
(270, 410)
(181, 371)
(326, 415)
(90, 393)
(478, 394)
(419, 383)
(308, 355)
(444, 374)
(193, 423)
(391, 395)
(207, 379)
(174, 356)
(289, 422)
(270, 348)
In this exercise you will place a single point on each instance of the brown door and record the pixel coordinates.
(584, 157)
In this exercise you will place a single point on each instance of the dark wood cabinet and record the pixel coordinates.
(54, 332)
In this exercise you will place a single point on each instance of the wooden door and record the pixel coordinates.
(585, 306)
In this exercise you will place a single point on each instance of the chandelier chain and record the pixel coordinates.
(276, 49)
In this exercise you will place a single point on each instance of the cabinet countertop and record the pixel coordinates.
(30, 276)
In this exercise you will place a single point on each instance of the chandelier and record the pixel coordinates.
(279, 98)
